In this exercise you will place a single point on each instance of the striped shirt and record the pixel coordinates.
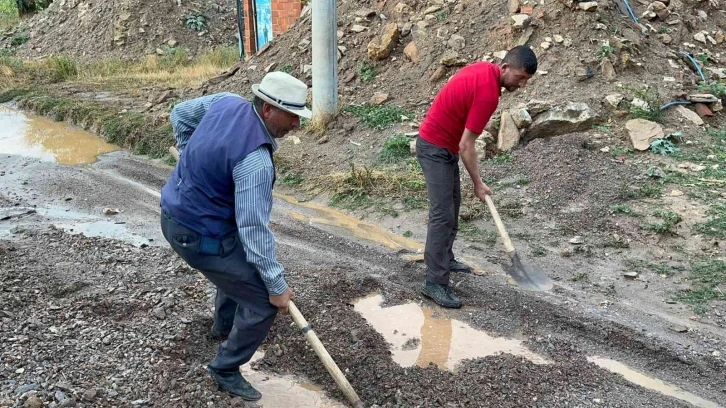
(253, 178)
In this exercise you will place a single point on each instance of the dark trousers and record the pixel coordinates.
(242, 300)
(441, 170)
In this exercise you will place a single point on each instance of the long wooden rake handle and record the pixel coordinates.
(323, 355)
(508, 246)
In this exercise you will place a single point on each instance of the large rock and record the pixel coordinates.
(381, 47)
(411, 52)
(575, 117)
(508, 136)
(642, 132)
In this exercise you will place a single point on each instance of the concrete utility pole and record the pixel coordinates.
(325, 60)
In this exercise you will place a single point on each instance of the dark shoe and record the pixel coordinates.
(456, 266)
(219, 333)
(233, 383)
(440, 294)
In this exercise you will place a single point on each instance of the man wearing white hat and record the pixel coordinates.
(216, 211)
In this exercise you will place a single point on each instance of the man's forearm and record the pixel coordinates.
(471, 163)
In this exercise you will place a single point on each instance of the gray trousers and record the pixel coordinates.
(441, 170)
(242, 301)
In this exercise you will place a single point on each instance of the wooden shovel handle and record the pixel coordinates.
(500, 226)
(322, 353)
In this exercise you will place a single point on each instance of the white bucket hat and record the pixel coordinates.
(284, 91)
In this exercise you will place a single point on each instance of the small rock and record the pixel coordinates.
(451, 59)
(90, 395)
(379, 98)
(439, 73)
(583, 73)
(559, 39)
(716, 353)
(401, 9)
(457, 42)
(159, 313)
(323, 139)
(500, 55)
(521, 118)
(107, 340)
(642, 132)
(665, 38)
(381, 47)
(631, 275)
(110, 211)
(577, 240)
(25, 388)
(513, 6)
(676, 193)
(172, 43)
(62, 385)
(605, 149)
(159, 51)
(60, 395)
(356, 28)
(411, 52)
(545, 45)
(588, 6)
(614, 100)
(700, 37)
(567, 43)
(277, 350)
(355, 336)
(719, 37)
(608, 71)
(678, 329)
(33, 402)
(717, 106)
(521, 21)
(412, 147)
(690, 115)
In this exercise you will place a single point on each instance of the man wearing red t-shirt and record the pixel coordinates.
(456, 119)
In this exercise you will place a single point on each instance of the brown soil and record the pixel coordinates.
(126, 29)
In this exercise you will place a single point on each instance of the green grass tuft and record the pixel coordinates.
(378, 117)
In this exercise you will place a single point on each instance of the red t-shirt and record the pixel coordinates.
(468, 101)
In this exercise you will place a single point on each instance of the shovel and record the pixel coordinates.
(323, 355)
(528, 277)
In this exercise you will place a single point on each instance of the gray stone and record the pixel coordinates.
(631, 275)
(575, 117)
(588, 6)
(26, 388)
(521, 118)
(358, 28)
(642, 132)
(33, 402)
(703, 98)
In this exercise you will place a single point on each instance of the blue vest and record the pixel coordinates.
(200, 191)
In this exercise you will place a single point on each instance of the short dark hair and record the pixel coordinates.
(521, 57)
(257, 103)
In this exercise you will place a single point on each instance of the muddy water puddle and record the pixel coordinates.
(419, 337)
(286, 391)
(651, 383)
(70, 221)
(321, 215)
(44, 139)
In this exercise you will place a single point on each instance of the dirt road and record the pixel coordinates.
(111, 317)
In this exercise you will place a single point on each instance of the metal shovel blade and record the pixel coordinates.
(528, 277)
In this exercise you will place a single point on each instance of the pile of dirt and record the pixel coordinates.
(127, 29)
(434, 38)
